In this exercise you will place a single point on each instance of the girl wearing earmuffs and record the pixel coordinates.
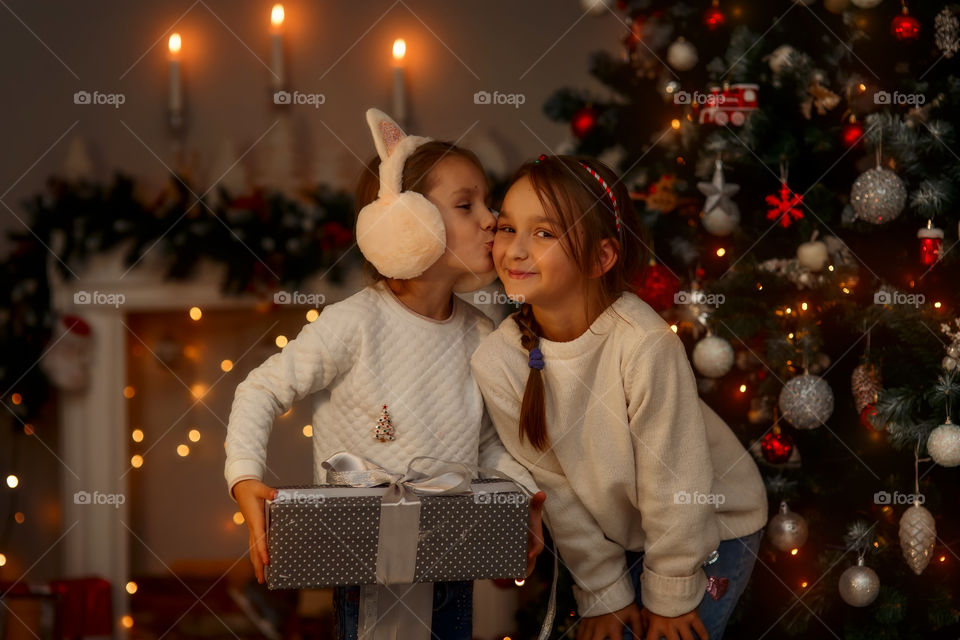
(403, 343)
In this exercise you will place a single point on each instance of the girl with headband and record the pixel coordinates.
(653, 503)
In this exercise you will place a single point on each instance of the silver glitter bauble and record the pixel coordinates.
(918, 532)
(787, 530)
(859, 585)
(878, 195)
(713, 356)
(944, 444)
(806, 401)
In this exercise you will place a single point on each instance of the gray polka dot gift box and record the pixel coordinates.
(371, 526)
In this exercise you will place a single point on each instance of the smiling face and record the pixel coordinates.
(459, 190)
(529, 252)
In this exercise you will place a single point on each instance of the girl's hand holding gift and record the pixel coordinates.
(251, 497)
(535, 535)
(610, 625)
(679, 627)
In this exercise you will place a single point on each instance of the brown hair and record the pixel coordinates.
(417, 176)
(585, 213)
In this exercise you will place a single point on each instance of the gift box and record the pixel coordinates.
(331, 534)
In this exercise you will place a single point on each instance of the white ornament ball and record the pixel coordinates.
(859, 585)
(780, 57)
(713, 356)
(787, 530)
(721, 223)
(681, 55)
(806, 401)
(944, 444)
(878, 195)
(813, 255)
(596, 7)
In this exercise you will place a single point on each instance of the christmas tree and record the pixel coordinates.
(795, 165)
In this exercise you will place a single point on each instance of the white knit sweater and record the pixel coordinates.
(362, 353)
(634, 457)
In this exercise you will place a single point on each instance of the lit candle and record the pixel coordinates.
(176, 91)
(276, 41)
(399, 99)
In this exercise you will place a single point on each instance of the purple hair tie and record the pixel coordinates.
(536, 359)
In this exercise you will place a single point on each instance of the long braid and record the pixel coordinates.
(533, 421)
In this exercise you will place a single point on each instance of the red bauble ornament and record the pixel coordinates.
(931, 244)
(868, 418)
(583, 122)
(776, 447)
(713, 17)
(656, 285)
(852, 133)
(905, 27)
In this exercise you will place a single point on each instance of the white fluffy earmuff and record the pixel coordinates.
(401, 232)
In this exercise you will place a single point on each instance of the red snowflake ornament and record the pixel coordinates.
(784, 206)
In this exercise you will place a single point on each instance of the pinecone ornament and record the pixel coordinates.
(866, 385)
(384, 431)
(918, 532)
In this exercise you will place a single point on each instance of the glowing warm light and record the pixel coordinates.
(137, 435)
(131, 587)
(794, 552)
(308, 430)
(675, 123)
(3, 559)
(194, 435)
(198, 390)
(226, 365)
(803, 585)
(237, 518)
(743, 388)
(673, 328)
(803, 306)
(399, 49)
(191, 352)
(28, 429)
(862, 87)
(790, 336)
(183, 450)
(845, 290)
(830, 268)
(136, 461)
(312, 315)
(943, 558)
(16, 398)
(19, 518)
(12, 481)
(788, 310)
(937, 305)
(519, 582)
(174, 43)
(195, 313)
(129, 392)
(281, 341)
(276, 15)
(720, 252)
(127, 622)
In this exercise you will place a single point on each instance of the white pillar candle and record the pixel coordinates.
(276, 43)
(175, 102)
(399, 92)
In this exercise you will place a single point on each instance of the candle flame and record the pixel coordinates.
(399, 49)
(276, 15)
(174, 43)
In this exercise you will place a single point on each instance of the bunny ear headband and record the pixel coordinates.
(401, 232)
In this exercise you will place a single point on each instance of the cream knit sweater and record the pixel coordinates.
(362, 353)
(636, 460)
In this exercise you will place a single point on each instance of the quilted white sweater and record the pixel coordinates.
(637, 461)
(362, 353)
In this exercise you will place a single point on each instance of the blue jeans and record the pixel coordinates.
(735, 563)
(452, 611)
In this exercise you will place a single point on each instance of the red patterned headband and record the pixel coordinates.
(603, 183)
